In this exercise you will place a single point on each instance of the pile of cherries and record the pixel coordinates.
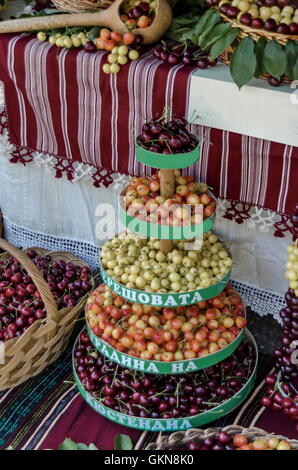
(224, 441)
(20, 301)
(289, 316)
(136, 14)
(166, 334)
(281, 396)
(164, 136)
(161, 396)
(142, 199)
(263, 16)
(282, 392)
(174, 53)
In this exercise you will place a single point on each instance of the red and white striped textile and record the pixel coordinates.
(60, 103)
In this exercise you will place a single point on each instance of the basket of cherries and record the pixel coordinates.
(41, 296)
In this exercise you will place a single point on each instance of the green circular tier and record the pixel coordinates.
(178, 299)
(167, 161)
(161, 367)
(174, 424)
(164, 232)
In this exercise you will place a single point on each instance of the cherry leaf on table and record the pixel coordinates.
(183, 27)
(92, 447)
(190, 26)
(275, 59)
(291, 49)
(223, 43)
(259, 52)
(216, 33)
(81, 446)
(68, 444)
(244, 62)
(295, 70)
(123, 442)
(212, 21)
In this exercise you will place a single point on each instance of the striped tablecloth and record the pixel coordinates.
(59, 103)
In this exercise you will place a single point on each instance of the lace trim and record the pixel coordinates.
(236, 211)
(240, 211)
(255, 217)
(261, 301)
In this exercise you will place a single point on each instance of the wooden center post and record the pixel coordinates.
(167, 188)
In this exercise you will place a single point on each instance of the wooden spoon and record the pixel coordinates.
(110, 18)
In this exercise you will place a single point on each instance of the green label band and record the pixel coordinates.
(179, 424)
(167, 162)
(160, 367)
(165, 300)
(165, 232)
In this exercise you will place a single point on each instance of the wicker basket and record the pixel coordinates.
(44, 341)
(180, 439)
(79, 6)
(255, 34)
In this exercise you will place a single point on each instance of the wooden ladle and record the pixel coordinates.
(110, 18)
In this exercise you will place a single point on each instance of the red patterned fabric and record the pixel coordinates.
(250, 170)
(60, 103)
(82, 424)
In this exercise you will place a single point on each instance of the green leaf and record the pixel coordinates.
(51, 11)
(68, 444)
(94, 33)
(183, 24)
(75, 29)
(243, 63)
(291, 50)
(204, 20)
(92, 447)
(259, 52)
(223, 43)
(183, 30)
(275, 59)
(186, 20)
(295, 70)
(188, 34)
(123, 442)
(216, 33)
(212, 21)
(191, 25)
(81, 446)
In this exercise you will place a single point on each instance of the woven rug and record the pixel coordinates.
(45, 410)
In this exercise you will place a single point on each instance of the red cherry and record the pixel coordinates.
(270, 25)
(293, 28)
(232, 12)
(257, 23)
(10, 292)
(245, 19)
(266, 401)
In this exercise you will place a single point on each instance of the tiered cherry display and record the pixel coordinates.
(166, 346)
(282, 391)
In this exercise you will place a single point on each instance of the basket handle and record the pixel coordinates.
(37, 278)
